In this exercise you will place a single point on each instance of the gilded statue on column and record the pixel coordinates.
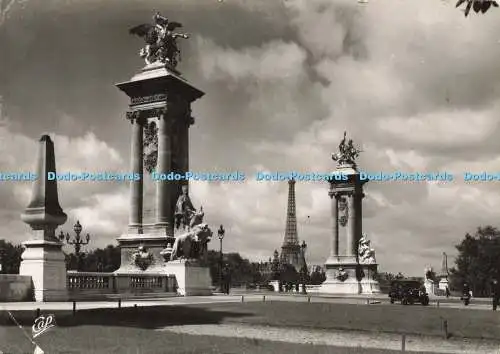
(347, 153)
(161, 41)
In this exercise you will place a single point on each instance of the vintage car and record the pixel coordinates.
(408, 292)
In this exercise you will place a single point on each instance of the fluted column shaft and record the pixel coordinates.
(351, 248)
(163, 188)
(137, 165)
(335, 226)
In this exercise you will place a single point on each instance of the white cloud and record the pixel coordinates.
(412, 82)
(454, 128)
(100, 213)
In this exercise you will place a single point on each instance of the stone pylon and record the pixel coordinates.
(159, 97)
(43, 258)
(346, 273)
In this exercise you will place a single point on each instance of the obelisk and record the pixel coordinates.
(43, 258)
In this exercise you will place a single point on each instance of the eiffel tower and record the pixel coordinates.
(291, 251)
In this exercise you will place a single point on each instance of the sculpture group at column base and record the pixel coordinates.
(193, 279)
(44, 261)
(430, 287)
(150, 259)
(345, 276)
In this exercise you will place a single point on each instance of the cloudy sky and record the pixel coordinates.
(413, 82)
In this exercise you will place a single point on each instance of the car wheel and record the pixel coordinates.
(392, 300)
(404, 302)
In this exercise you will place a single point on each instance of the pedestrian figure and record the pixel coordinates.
(447, 291)
(495, 293)
(227, 279)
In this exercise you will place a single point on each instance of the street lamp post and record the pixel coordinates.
(221, 232)
(77, 242)
(2, 256)
(303, 271)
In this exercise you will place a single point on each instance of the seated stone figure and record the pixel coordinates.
(190, 244)
(196, 218)
(184, 210)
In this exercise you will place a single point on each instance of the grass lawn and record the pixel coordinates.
(130, 330)
(420, 320)
(124, 340)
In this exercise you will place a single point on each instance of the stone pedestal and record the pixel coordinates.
(192, 278)
(429, 287)
(153, 244)
(444, 283)
(344, 276)
(368, 284)
(275, 284)
(44, 262)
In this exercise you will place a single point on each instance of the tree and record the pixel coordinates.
(11, 257)
(478, 262)
(243, 272)
(477, 5)
(106, 259)
(304, 276)
(317, 276)
(431, 274)
(288, 274)
(385, 279)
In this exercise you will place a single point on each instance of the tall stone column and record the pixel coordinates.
(335, 216)
(184, 142)
(163, 189)
(351, 225)
(137, 166)
(158, 93)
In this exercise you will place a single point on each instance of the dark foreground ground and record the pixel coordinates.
(130, 330)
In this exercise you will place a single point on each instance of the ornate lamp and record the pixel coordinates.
(220, 233)
(77, 242)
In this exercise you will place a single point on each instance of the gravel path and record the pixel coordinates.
(350, 339)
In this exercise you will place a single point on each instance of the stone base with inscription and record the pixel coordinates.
(342, 277)
(44, 261)
(369, 285)
(153, 243)
(192, 278)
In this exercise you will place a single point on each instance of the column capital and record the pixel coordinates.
(136, 117)
(133, 115)
(143, 114)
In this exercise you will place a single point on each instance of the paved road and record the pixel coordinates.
(291, 335)
(344, 339)
(376, 300)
